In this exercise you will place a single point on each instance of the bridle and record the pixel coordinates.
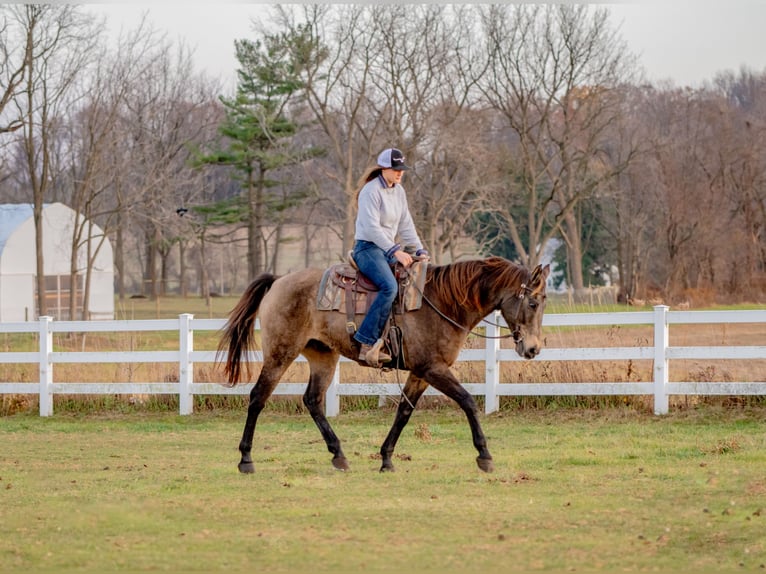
(516, 329)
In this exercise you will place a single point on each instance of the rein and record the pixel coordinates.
(515, 332)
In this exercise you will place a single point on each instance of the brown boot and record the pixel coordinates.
(373, 355)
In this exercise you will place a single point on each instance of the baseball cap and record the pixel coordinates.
(392, 158)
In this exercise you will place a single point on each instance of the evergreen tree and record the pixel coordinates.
(258, 136)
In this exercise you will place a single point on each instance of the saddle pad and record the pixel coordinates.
(412, 298)
(329, 297)
(332, 297)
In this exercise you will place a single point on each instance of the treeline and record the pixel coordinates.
(527, 125)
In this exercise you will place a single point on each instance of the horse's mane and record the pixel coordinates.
(469, 283)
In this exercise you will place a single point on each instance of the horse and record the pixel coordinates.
(456, 298)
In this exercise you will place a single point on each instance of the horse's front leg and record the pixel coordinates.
(413, 390)
(443, 380)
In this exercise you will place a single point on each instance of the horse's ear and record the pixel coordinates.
(540, 274)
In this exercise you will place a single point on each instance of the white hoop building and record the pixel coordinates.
(18, 268)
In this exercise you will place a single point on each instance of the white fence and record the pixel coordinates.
(661, 353)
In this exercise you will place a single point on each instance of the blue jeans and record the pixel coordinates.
(372, 261)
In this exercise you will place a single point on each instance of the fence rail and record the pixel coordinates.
(492, 355)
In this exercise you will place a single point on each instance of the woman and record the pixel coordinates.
(382, 217)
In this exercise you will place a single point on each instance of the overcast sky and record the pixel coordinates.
(684, 41)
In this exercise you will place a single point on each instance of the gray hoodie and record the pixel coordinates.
(383, 215)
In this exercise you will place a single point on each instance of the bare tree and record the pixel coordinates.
(552, 71)
(335, 62)
(742, 173)
(59, 43)
(423, 100)
(15, 47)
(90, 164)
(378, 78)
(162, 116)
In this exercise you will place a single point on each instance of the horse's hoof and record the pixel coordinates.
(340, 463)
(485, 464)
(246, 467)
(387, 467)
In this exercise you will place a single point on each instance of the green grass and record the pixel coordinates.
(172, 306)
(575, 490)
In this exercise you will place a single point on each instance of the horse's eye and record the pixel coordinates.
(533, 305)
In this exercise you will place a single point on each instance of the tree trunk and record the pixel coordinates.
(204, 278)
(73, 274)
(182, 270)
(150, 272)
(277, 243)
(253, 228)
(42, 308)
(349, 222)
(37, 182)
(90, 258)
(574, 251)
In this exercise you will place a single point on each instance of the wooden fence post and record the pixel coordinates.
(492, 366)
(186, 365)
(46, 367)
(332, 397)
(661, 365)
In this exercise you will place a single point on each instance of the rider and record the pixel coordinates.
(383, 215)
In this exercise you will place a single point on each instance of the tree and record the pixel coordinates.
(334, 58)
(742, 176)
(165, 114)
(258, 129)
(375, 78)
(14, 52)
(86, 152)
(59, 43)
(552, 72)
(422, 99)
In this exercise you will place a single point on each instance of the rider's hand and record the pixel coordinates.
(403, 257)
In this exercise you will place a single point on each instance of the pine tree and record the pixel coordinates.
(258, 135)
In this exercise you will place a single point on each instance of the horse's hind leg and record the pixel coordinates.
(322, 366)
(413, 390)
(259, 394)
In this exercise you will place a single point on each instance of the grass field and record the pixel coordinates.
(574, 490)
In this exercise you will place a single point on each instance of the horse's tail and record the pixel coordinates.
(238, 332)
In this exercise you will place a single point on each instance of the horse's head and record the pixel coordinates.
(523, 311)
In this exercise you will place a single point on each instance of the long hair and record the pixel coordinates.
(371, 174)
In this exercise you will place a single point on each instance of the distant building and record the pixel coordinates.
(18, 267)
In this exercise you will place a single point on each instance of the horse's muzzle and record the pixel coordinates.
(527, 351)
(531, 352)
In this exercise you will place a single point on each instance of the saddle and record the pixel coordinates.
(343, 286)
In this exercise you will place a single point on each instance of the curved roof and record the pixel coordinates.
(11, 216)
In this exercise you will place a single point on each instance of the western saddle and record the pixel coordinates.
(343, 286)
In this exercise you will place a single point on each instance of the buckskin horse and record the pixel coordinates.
(456, 298)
